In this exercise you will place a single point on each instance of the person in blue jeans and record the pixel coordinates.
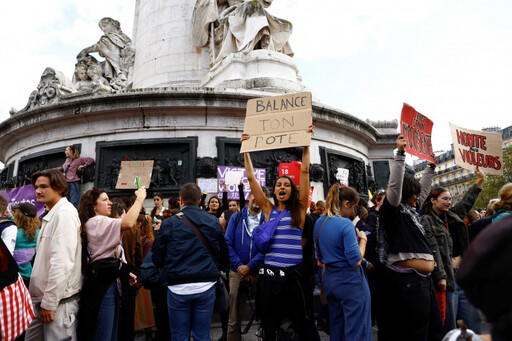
(102, 255)
(188, 268)
(342, 251)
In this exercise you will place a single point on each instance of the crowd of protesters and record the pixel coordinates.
(407, 265)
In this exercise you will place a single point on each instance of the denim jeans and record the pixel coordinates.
(74, 193)
(451, 312)
(191, 313)
(108, 315)
(467, 312)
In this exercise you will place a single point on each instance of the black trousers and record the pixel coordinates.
(126, 329)
(408, 308)
(288, 297)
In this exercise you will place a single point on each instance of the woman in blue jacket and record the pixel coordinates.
(342, 251)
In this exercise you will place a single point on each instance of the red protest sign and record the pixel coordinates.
(310, 198)
(417, 130)
(292, 170)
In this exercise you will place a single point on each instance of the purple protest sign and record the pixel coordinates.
(18, 195)
(222, 171)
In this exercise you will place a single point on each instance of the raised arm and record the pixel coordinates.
(304, 179)
(426, 182)
(396, 176)
(463, 206)
(265, 204)
(241, 194)
(131, 216)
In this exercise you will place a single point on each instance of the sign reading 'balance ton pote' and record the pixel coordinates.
(478, 148)
(278, 122)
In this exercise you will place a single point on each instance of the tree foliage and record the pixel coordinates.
(493, 183)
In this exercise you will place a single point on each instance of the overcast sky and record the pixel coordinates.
(450, 60)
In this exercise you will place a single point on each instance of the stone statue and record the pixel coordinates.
(228, 26)
(114, 46)
(52, 86)
(90, 79)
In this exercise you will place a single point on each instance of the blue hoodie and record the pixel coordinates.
(240, 245)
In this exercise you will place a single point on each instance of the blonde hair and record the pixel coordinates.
(505, 201)
(29, 224)
(338, 194)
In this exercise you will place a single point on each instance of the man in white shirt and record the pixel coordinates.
(56, 278)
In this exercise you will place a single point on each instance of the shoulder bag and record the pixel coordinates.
(263, 233)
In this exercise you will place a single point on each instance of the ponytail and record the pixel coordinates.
(337, 194)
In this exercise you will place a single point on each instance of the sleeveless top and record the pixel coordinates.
(285, 247)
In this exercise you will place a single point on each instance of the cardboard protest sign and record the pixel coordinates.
(233, 176)
(233, 194)
(130, 169)
(292, 170)
(417, 130)
(278, 122)
(208, 185)
(342, 176)
(478, 148)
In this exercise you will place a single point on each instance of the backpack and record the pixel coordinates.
(150, 276)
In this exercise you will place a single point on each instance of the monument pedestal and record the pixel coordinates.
(262, 70)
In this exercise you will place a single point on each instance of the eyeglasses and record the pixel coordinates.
(445, 199)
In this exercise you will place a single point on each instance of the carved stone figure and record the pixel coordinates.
(171, 171)
(52, 86)
(228, 26)
(316, 172)
(206, 167)
(372, 186)
(114, 46)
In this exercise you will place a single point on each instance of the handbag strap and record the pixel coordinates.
(200, 235)
(69, 165)
(319, 232)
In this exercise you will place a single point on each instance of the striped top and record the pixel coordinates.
(285, 246)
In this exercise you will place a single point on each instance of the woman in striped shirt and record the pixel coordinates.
(284, 292)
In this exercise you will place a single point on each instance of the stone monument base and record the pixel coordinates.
(262, 70)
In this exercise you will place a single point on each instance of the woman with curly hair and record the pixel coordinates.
(146, 233)
(104, 266)
(25, 217)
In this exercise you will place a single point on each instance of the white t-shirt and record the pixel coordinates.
(9, 237)
(190, 288)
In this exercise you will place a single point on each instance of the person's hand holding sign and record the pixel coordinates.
(480, 180)
(401, 142)
(311, 129)
(244, 137)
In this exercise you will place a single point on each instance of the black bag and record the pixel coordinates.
(150, 276)
(222, 294)
(106, 269)
(221, 288)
